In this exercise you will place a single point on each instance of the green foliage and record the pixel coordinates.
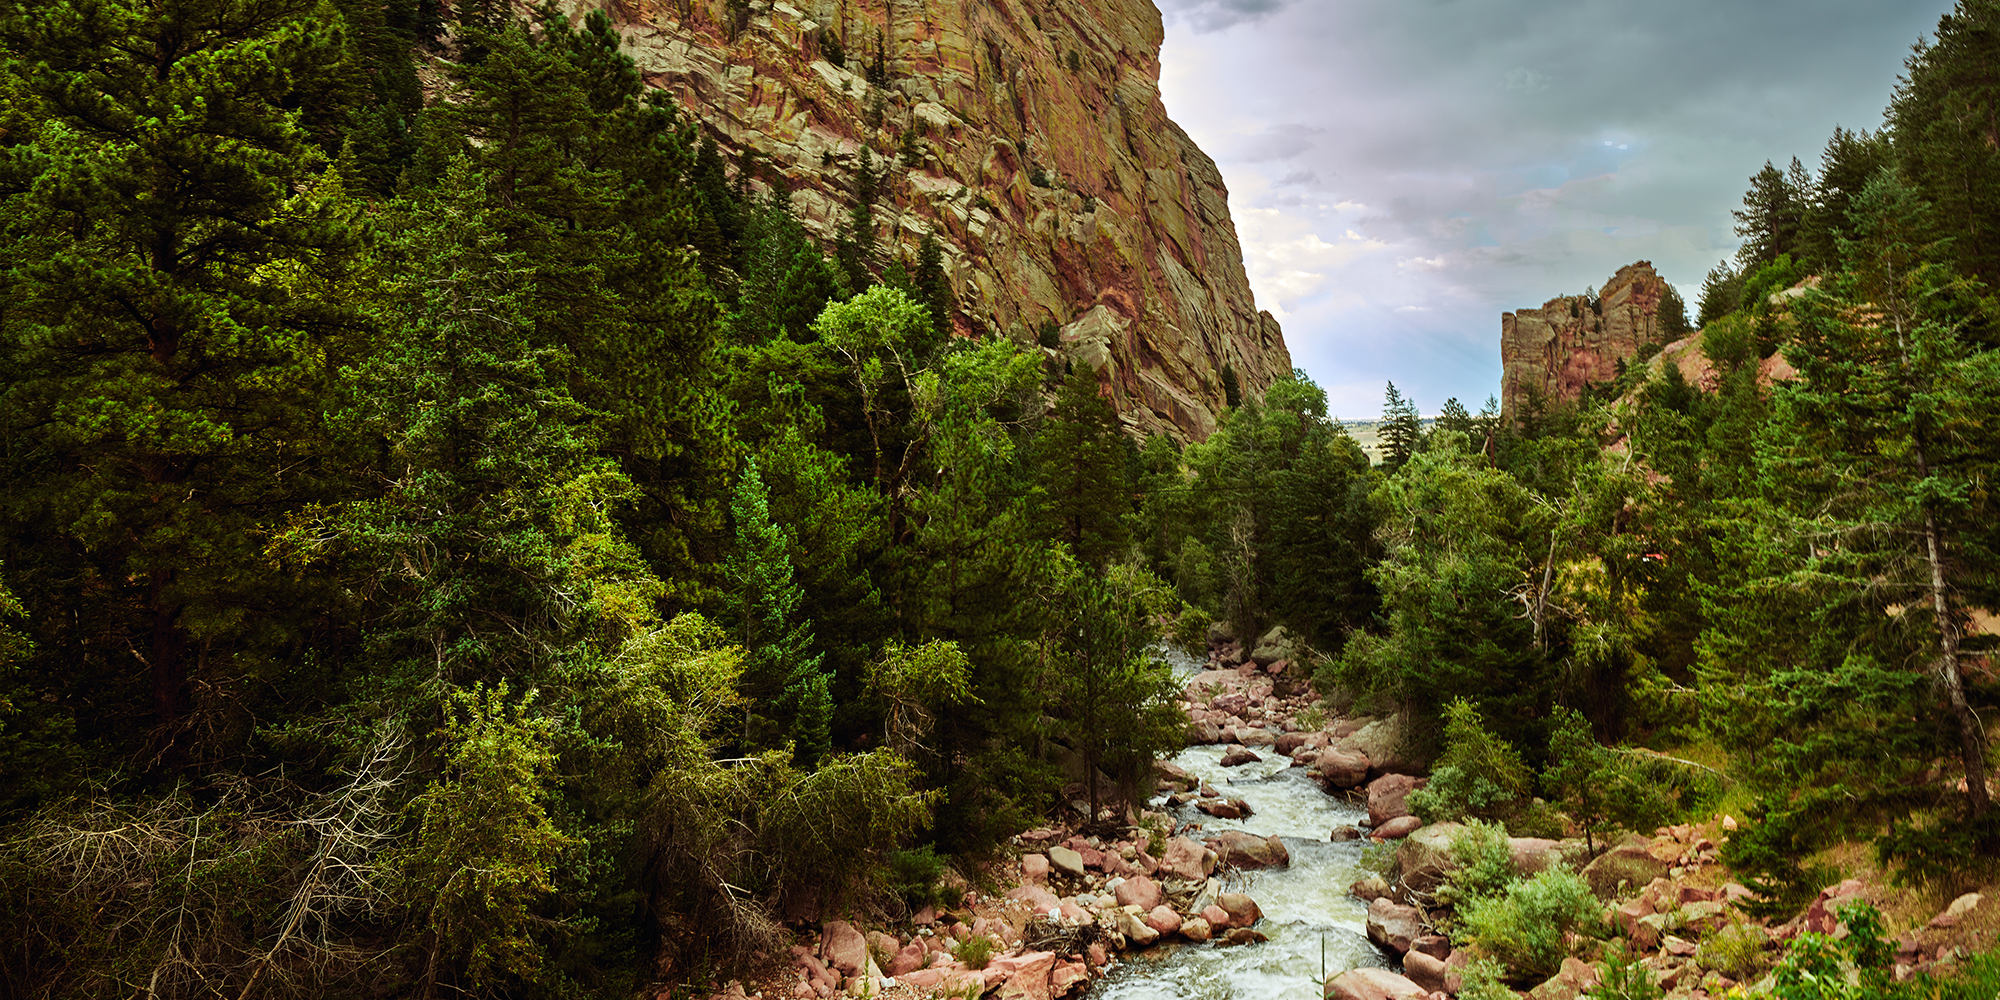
(1768, 279)
(1482, 865)
(1189, 630)
(914, 874)
(1596, 785)
(1721, 293)
(1484, 979)
(976, 951)
(1083, 470)
(764, 600)
(1736, 951)
(1401, 429)
(1526, 929)
(1624, 978)
(1477, 775)
(1773, 215)
(1818, 967)
(485, 855)
(1454, 533)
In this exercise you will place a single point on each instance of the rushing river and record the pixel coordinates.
(1306, 907)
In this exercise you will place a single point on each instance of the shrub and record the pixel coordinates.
(1735, 951)
(1190, 629)
(976, 951)
(1482, 865)
(913, 875)
(1625, 979)
(1478, 775)
(1484, 979)
(1525, 929)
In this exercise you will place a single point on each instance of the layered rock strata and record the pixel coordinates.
(1555, 351)
(1028, 135)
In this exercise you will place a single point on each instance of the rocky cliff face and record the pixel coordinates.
(1029, 135)
(1571, 342)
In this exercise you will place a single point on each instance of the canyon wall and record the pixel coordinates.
(1555, 351)
(1028, 135)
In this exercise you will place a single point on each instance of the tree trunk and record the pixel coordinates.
(1971, 739)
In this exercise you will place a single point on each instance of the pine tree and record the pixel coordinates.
(1943, 120)
(1401, 429)
(164, 336)
(1082, 471)
(1721, 290)
(784, 674)
(1773, 215)
(1886, 444)
(933, 284)
(1849, 162)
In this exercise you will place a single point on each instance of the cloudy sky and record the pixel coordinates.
(1402, 171)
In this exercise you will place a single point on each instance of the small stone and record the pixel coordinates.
(1067, 860)
(1034, 868)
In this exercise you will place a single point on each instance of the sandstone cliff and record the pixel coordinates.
(1029, 135)
(1571, 342)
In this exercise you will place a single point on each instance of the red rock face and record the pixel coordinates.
(1566, 344)
(1031, 140)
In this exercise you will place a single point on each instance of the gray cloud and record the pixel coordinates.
(1403, 172)
(1205, 16)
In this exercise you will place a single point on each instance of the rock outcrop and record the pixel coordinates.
(1555, 351)
(1030, 138)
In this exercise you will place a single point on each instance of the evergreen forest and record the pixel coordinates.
(459, 535)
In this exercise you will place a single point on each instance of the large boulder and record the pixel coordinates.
(1038, 897)
(1128, 923)
(909, 958)
(1425, 970)
(1242, 910)
(1187, 859)
(1249, 851)
(1277, 644)
(1424, 857)
(1372, 984)
(1204, 732)
(1163, 919)
(1224, 808)
(1196, 929)
(1394, 925)
(1238, 756)
(1067, 859)
(1398, 828)
(1139, 891)
(843, 948)
(1628, 864)
(1066, 976)
(1339, 769)
(1034, 867)
(1575, 979)
(1532, 855)
(1026, 975)
(1173, 777)
(1381, 741)
(1389, 795)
